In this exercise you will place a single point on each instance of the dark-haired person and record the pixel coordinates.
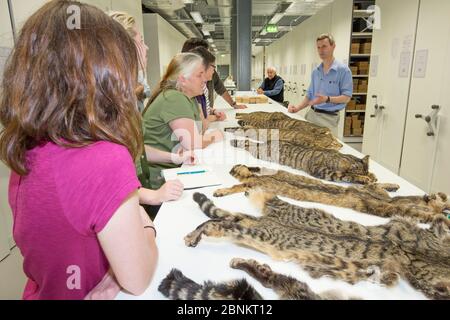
(215, 84)
(208, 113)
(71, 134)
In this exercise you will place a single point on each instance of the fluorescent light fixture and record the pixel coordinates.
(206, 33)
(277, 17)
(213, 45)
(197, 17)
(210, 40)
(188, 1)
(264, 32)
(257, 40)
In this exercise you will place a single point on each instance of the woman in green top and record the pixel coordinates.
(173, 189)
(172, 121)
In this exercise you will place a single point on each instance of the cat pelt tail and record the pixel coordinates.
(208, 207)
(175, 285)
(178, 287)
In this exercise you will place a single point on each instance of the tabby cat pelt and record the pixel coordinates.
(371, 199)
(287, 288)
(278, 120)
(177, 287)
(296, 137)
(326, 246)
(321, 163)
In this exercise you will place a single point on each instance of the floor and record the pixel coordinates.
(12, 278)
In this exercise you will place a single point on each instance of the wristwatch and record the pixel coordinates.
(328, 99)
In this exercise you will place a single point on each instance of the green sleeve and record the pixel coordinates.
(177, 107)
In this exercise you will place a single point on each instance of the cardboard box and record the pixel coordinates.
(363, 64)
(351, 105)
(358, 132)
(356, 124)
(362, 88)
(262, 99)
(356, 47)
(366, 48)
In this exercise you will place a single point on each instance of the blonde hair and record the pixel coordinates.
(326, 36)
(128, 22)
(183, 64)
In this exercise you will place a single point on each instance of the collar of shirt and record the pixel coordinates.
(334, 66)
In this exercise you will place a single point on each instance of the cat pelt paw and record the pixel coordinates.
(192, 239)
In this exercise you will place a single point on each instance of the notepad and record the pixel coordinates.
(193, 177)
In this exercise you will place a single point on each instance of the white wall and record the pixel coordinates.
(296, 51)
(24, 8)
(164, 42)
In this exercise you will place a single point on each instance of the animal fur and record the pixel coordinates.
(296, 137)
(371, 199)
(321, 163)
(278, 120)
(326, 246)
(177, 287)
(287, 288)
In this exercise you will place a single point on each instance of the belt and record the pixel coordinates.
(332, 113)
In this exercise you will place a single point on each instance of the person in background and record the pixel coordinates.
(172, 120)
(71, 132)
(272, 86)
(172, 190)
(330, 90)
(129, 23)
(208, 114)
(215, 84)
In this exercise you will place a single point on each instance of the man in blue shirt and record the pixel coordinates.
(273, 86)
(330, 90)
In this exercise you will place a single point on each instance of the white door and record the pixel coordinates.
(392, 46)
(426, 157)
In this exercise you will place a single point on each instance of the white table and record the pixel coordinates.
(210, 259)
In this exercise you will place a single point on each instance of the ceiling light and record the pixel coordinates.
(213, 45)
(197, 17)
(188, 1)
(257, 40)
(277, 17)
(210, 40)
(206, 33)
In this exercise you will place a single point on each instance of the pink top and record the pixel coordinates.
(67, 198)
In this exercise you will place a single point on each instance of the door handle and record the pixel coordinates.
(377, 107)
(431, 120)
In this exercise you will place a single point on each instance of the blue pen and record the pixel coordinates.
(192, 172)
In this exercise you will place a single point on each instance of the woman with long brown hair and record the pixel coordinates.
(71, 134)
